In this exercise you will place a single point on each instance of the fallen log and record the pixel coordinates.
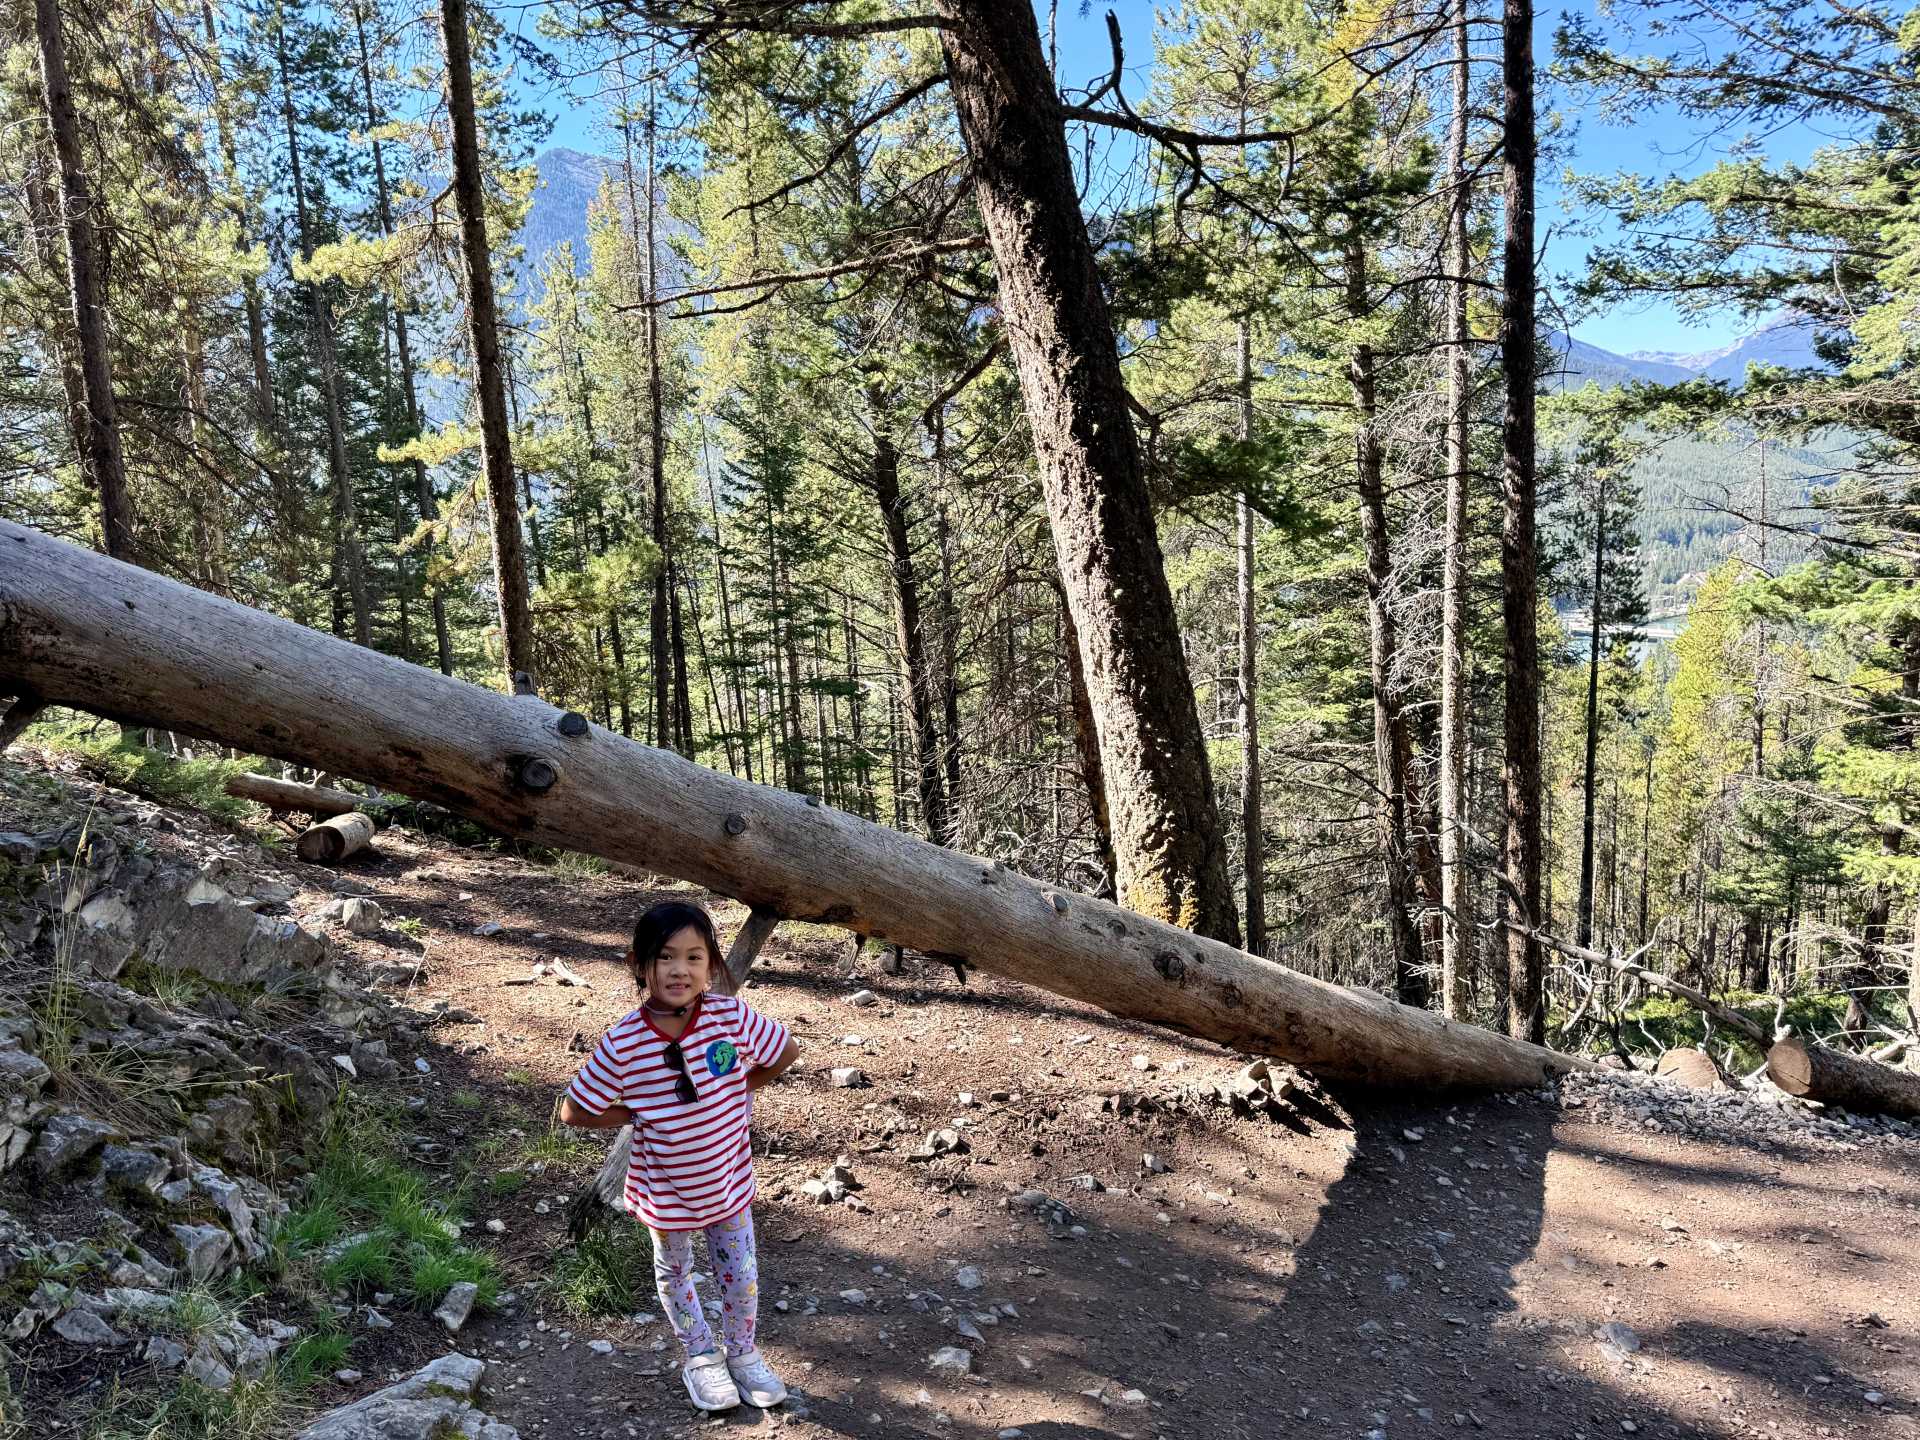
(278, 794)
(99, 635)
(1833, 1077)
(333, 840)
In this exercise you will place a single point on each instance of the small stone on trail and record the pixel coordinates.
(854, 1297)
(466, 894)
(347, 1377)
(492, 927)
(1873, 1397)
(1153, 1164)
(849, 1077)
(600, 1347)
(1416, 1136)
(968, 1277)
(496, 1227)
(1143, 1063)
(951, 1360)
(1616, 1341)
(863, 997)
(457, 1306)
(423, 1067)
(345, 1062)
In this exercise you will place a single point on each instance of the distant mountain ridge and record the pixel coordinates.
(1786, 340)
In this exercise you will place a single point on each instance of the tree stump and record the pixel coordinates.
(331, 841)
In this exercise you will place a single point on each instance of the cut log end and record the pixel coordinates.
(334, 840)
(1790, 1066)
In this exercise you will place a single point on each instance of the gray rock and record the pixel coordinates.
(348, 1377)
(967, 1277)
(361, 917)
(83, 1327)
(849, 1077)
(854, 1297)
(203, 1249)
(140, 1304)
(22, 1074)
(68, 1139)
(164, 1353)
(134, 1171)
(457, 1306)
(436, 1403)
(208, 1366)
(951, 1360)
(1153, 1164)
(252, 1354)
(863, 998)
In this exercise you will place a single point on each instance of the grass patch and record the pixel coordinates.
(502, 1183)
(166, 779)
(468, 1101)
(608, 1273)
(561, 1145)
(411, 926)
(369, 1221)
(573, 865)
(520, 1077)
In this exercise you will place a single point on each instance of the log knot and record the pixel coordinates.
(1170, 965)
(572, 724)
(534, 774)
(736, 823)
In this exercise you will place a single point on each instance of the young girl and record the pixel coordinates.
(682, 1069)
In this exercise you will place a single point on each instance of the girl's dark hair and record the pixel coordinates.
(660, 923)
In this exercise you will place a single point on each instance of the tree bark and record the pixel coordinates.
(101, 460)
(1834, 1077)
(496, 451)
(334, 839)
(1252, 837)
(1167, 834)
(1391, 749)
(89, 632)
(1456, 942)
(1519, 578)
(883, 483)
(349, 560)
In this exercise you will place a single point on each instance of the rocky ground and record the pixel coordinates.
(1092, 1244)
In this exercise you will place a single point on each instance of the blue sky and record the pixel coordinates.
(1660, 143)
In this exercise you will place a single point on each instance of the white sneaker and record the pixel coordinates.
(708, 1383)
(756, 1379)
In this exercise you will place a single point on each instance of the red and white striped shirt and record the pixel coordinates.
(691, 1164)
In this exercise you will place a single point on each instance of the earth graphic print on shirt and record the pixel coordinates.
(691, 1163)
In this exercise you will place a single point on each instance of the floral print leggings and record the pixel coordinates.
(736, 1266)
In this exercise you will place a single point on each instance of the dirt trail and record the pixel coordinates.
(1433, 1267)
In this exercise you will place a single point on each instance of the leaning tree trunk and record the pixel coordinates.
(100, 456)
(496, 452)
(1166, 825)
(87, 631)
(1519, 577)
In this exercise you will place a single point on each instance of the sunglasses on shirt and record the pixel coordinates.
(683, 1087)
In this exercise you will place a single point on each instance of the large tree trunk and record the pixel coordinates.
(350, 563)
(422, 486)
(883, 482)
(1167, 834)
(1834, 1077)
(1519, 579)
(86, 631)
(496, 451)
(1391, 750)
(1252, 838)
(1456, 943)
(100, 457)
